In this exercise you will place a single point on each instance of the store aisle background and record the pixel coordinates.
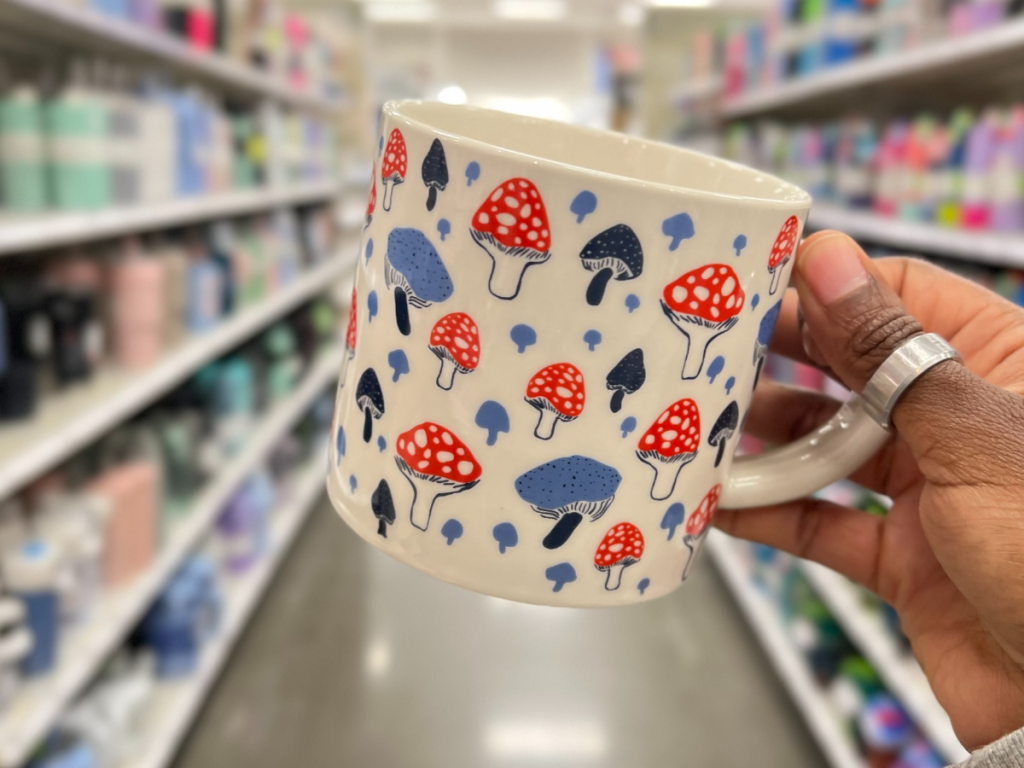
(355, 659)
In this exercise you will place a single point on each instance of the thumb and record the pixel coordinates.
(957, 424)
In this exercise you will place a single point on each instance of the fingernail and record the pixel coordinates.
(832, 268)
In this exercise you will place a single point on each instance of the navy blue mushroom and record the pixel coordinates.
(383, 506)
(414, 270)
(764, 338)
(614, 253)
(370, 399)
(626, 377)
(723, 429)
(567, 490)
(435, 172)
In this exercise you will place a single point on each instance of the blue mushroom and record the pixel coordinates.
(415, 272)
(339, 442)
(371, 304)
(679, 228)
(444, 228)
(764, 338)
(643, 584)
(452, 530)
(382, 444)
(523, 336)
(614, 253)
(716, 367)
(583, 205)
(383, 507)
(353, 483)
(493, 417)
(369, 249)
(592, 338)
(506, 536)
(567, 490)
(628, 425)
(472, 173)
(560, 574)
(435, 173)
(399, 363)
(672, 519)
(729, 384)
(632, 302)
(370, 399)
(628, 375)
(754, 301)
(739, 244)
(723, 429)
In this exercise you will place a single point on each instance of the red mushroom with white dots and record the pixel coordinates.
(782, 251)
(393, 166)
(620, 548)
(703, 304)
(669, 444)
(511, 225)
(559, 393)
(436, 463)
(455, 339)
(699, 524)
(350, 338)
(371, 204)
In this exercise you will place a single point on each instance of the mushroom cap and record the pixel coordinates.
(369, 394)
(457, 334)
(629, 373)
(705, 512)
(371, 204)
(617, 248)
(414, 257)
(725, 424)
(676, 431)
(567, 480)
(767, 328)
(435, 166)
(382, 503)
(559, 385)
(785, 242)
(514, 216)
(433, 451)
(711, 293)
(350, 334)
(395, 161)
(622, 542)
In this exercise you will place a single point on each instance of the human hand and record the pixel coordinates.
(949, 557)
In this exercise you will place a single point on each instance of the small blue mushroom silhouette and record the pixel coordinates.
(524, 336)
(399, 362)
(729, 384)
(764, 338)
(380, 145)
(369, 249)
(340, 442)
(382, 443)
(754, 301)
(628, 425)
(716, 367)
(632, 302)
(739, 243)
(493, 417)
(643, 585)
(452, 530)
(673, 519)
(472, 173)
(583, 205)
(444, 228)
(353, 482)
(371, 304)
(592, 338)
(560, 574)
(679, 228)
(506, 536)
(416, 273)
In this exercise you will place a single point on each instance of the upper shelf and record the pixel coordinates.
(969, 69)
(77, 28)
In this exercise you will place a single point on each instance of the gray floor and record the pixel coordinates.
(356, 660)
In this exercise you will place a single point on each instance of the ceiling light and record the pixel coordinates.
(530, 10)
(452, 94)
(399, 12)
(631, 15)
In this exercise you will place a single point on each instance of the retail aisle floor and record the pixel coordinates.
(357, 661)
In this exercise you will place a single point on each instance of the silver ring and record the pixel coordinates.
(901, 369)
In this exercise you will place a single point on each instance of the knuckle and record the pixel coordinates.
(876, 331)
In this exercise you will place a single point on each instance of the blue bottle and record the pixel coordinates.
(32, 574)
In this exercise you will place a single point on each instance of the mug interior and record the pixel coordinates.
(588, 150)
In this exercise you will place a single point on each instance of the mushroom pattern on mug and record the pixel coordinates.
(703, 304)
(698, 525)
(414, 270)
(370, 399)
(724, 428)
(436, 463)
(782, 251)
(383, 507)
(567, 490)
(765, 331)
(371, 204)
(393, 166)
(620, 548)
(434, 172)
(455, 340)
(512, 227)
(669, 444)
(559, 393)
(350, 339)
(615, 253)
(626, 377)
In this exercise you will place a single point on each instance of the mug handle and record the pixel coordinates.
(793, 471)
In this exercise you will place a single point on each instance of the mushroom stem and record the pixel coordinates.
(776, 276)
(402, 311)
(692, 544)
(382, 528)
(562, 530)
(595, 291)
(389, 189)
(344, 368)
(546, 424)
(614, 578)
(665, 479)
(446, 376)
(506, 274)
(419, 514)
(367, 425)
(431, 198)
(698, 339)
(721, 451)
(757, 372)
(617, 400)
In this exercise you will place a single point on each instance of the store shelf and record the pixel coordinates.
(709, 87)
(21, 234)
(993, 248)
(792, 670)
(176, 704)
(38, 705)
(898, 670)
(69, 421)
(76, 28)
(978, 66)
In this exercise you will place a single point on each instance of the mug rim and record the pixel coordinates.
(405, 110)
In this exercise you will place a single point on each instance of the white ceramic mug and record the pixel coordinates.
(554, 338)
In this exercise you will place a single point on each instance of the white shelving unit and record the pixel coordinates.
(84, 649)
(1004, 250)
(22, 234)
(69, 421)
(792, 670)
(900, 672)
(175, 704)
